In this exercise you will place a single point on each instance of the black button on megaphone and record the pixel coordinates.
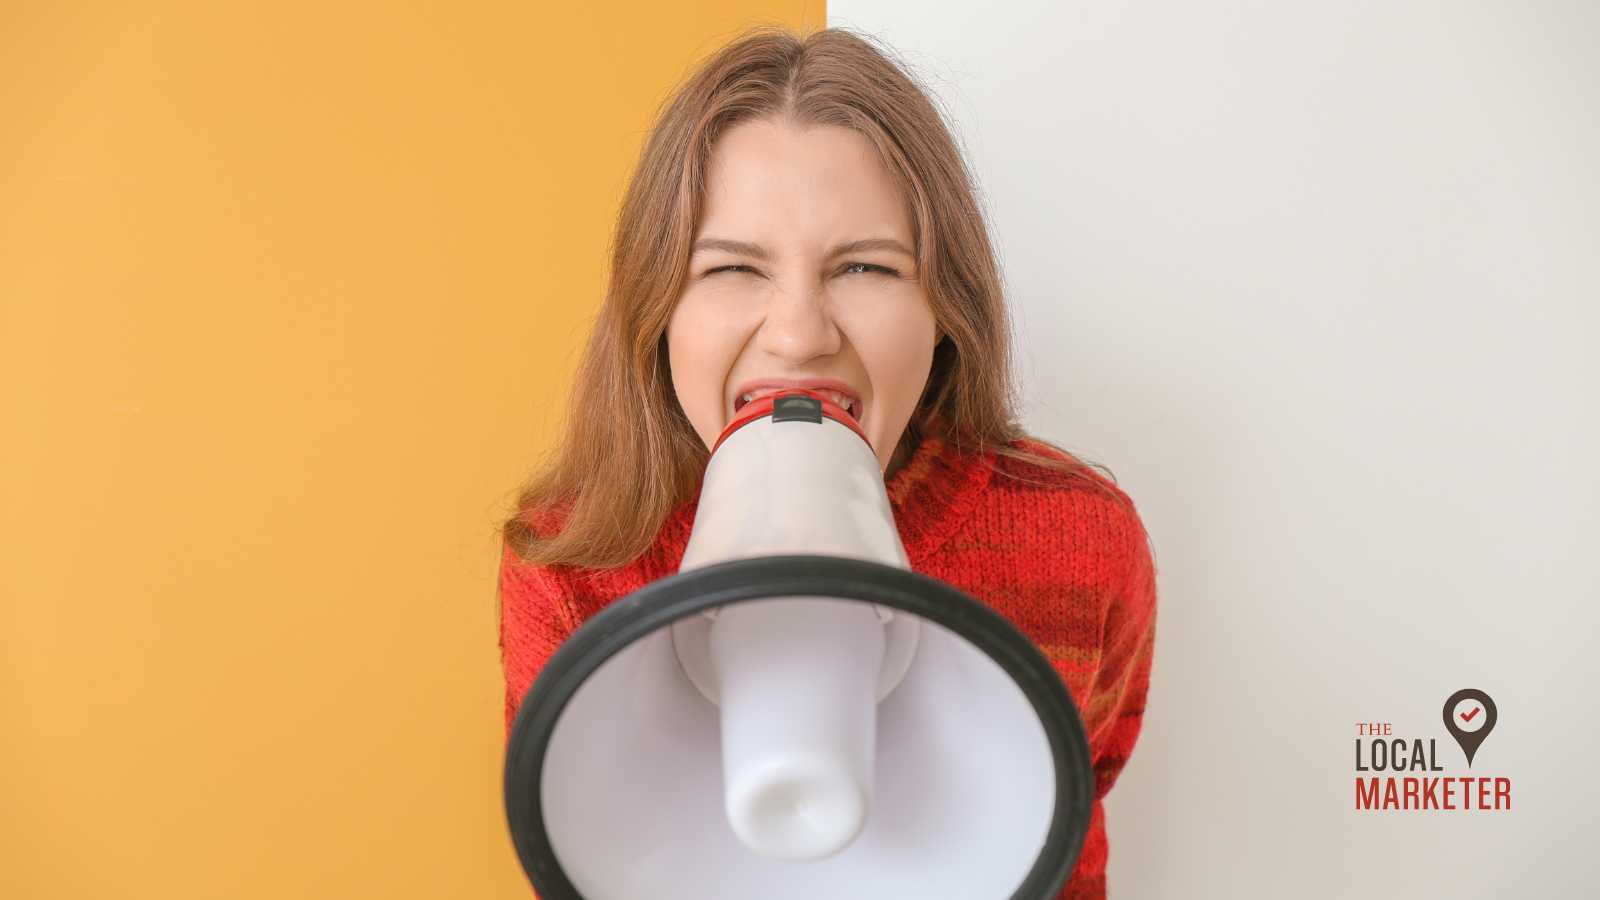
(795, 714)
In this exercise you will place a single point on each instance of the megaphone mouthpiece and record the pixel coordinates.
(797, 680)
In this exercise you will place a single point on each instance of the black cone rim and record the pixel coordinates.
(662, 602)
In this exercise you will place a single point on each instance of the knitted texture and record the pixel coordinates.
(1067, 565)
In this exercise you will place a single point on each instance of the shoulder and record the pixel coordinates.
(1030, 465)
(523, 576)
(1040, 489)
(583, 588)
(530, 525)
(545, 520)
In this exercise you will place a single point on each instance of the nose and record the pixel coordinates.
(798, 326)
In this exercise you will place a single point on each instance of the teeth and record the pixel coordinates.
(843, 402)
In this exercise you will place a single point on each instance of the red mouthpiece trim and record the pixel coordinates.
(762, 406)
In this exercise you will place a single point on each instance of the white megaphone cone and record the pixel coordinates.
(798, 680)
(795, 713)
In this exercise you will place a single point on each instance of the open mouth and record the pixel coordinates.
(849, 404)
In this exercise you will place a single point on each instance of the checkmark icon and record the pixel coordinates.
(1469, 716)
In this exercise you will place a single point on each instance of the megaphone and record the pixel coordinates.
(796, 714)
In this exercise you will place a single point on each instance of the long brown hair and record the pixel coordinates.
(613, 479)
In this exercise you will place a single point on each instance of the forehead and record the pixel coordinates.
(772, 180)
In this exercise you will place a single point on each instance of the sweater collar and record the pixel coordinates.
(930, 496)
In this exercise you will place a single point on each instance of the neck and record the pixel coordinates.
(902, 452)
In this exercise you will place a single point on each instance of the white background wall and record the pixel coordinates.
(1317, 281)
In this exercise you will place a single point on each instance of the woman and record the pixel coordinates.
(801, 213)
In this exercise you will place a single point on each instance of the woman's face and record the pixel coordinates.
(789, 303)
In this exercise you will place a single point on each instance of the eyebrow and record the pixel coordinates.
(759, 252)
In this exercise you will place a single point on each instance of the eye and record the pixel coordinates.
(710, 272)
(849, 267)
(872, 267)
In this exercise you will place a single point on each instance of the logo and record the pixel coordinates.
(1469, 716)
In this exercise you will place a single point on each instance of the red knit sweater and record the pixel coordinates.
(1069, 566)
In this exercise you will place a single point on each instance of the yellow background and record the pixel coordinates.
(289, 298)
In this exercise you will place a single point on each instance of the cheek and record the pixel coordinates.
(702, 345)
(896, 348)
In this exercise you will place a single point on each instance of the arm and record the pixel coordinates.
(1123, 679)
(536, 616)
(1115, 710)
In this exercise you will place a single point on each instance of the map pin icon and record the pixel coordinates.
(1469, 716)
